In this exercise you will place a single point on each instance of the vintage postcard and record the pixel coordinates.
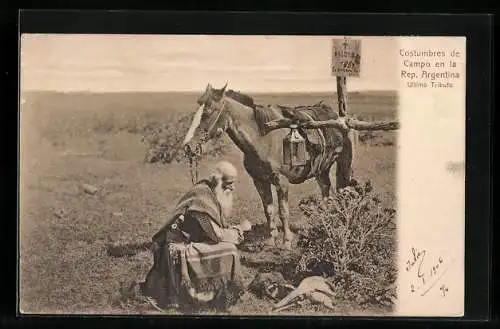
(242, 175)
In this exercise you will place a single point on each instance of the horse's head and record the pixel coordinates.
(210, 120)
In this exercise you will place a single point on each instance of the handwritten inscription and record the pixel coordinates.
(430, 68)
(346, 57)
(418, 255)
(444, 290)
(426, 272)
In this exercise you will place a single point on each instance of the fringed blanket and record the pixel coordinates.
(195, 274)
(208, 270)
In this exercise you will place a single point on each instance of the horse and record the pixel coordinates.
(237, 115)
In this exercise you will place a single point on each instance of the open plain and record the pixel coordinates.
(71, 139)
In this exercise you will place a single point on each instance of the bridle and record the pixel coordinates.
(195, 157)
(222, 107)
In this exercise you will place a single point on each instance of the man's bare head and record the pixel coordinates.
(222, 179)
(224, 173)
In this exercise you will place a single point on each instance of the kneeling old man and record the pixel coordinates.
(196, 261)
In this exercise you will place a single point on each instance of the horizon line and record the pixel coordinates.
(200, 92)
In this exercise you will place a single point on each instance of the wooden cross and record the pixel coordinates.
(341, 96)
(341, 88)
(345, 43)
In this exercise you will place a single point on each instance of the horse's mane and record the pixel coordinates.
(262, 114)
(240, 98)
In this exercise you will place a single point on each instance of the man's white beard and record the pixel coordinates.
(225, 198)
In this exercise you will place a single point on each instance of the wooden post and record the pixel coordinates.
(346, 62)
(341, 95)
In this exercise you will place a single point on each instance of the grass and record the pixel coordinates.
(73, 139)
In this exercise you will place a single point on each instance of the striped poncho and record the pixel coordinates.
(201, 199)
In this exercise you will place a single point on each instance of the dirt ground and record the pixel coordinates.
(70, 140)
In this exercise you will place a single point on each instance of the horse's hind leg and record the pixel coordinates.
(284, 212)
(323, 180)
(266, 195)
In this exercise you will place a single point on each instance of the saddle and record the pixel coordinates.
(309, 113)
(317, 138)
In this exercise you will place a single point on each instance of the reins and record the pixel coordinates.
(193, 169)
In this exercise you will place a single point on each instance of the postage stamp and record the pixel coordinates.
(242, 175)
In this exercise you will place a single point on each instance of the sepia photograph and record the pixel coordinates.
(241, 175)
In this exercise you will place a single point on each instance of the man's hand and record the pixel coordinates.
(233, 235)
(245, 225)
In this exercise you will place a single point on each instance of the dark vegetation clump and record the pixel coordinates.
(164, 141)
(351, 240)
(376, 138)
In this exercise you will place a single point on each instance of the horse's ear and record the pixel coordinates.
(224, 88)
(209, 87)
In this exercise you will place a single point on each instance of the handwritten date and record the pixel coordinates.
(444, 290)
(426, 275)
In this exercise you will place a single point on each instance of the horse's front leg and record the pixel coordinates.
(266, 195)
(284, 212)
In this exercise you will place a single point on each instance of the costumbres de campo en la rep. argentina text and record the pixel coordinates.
(429, 68)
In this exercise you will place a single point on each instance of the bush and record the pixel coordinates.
(351, 240)
(163, 141)
(372, 138)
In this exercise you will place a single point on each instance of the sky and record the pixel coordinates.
(108, 63)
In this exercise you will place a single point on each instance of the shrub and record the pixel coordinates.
(163, 141)
(377, 138)
(351, 240)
